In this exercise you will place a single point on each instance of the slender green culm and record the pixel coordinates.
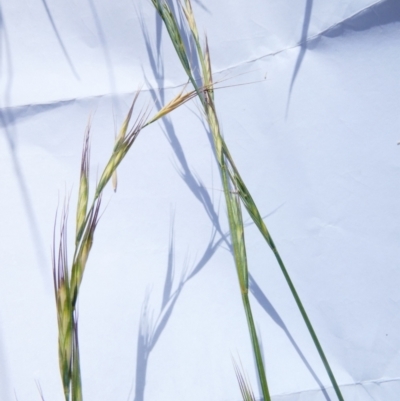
(239, 251)
(230, 175)
(76, 381)
(230, 191)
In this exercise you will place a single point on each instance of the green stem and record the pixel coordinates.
(256, 217)
(240, 258)
(223, 156)
(308, 323)
(256, 347)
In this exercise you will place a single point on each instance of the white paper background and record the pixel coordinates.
(315, 140)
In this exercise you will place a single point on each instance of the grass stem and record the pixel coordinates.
(232, 179)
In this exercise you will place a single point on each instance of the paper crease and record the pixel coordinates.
(359, 383)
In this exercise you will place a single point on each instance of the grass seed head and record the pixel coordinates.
(120, 137)
(208, 81)
(85, 247)
(188, 12)
(114, 180)
(122, 144)
(176, 102)
(173, 30)
(63, 303)
(83, 185)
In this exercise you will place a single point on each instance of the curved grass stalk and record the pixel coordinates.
(67, 283)
(229, 172)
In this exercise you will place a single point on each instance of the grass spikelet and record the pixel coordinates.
(63, 303)
(174, 33)
(176, 102)
(122, 145)
(121, 136)
(84, 249)
(114, 180)
(208, 70)
(203, 56)
(188, 12)
(125, 124)
(83, 185)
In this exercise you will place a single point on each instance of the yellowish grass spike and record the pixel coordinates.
(208, 64)
(212, 120)
(189, 15)
(122, 142)
(85, 247)
(83, 185)
(208, 71)
(63, 303)
(188, 12)
(176, 102)
(125, 124)
(114, 180)
(120, 137)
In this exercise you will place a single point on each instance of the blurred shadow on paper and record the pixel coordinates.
(382, 13)
(7, 122)
(151, 329)
(378, 14)
(200, 4)
(103, 41)
(59, 39)
(303, 48)
(190, 178)
(268, 307)
(5, 380)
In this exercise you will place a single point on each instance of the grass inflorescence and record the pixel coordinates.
(234, 186)
(68, 279)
